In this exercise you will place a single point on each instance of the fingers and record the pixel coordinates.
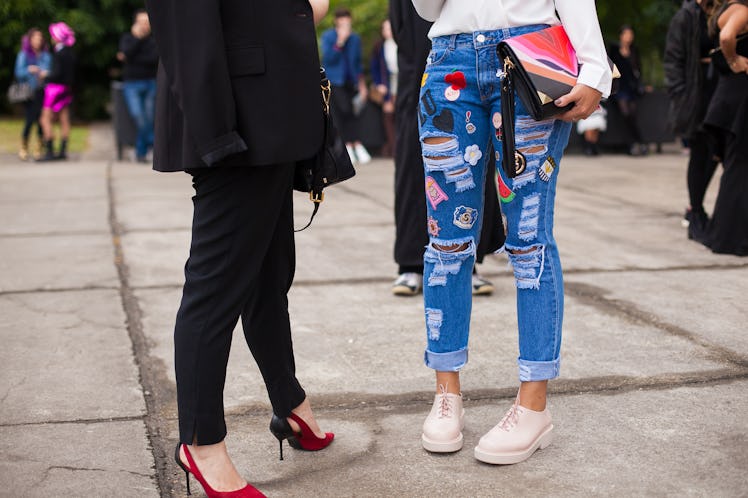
(584, 99)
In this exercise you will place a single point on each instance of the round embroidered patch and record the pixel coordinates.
(465, 217)
(433, 226)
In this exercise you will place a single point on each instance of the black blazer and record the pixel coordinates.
(238, 83)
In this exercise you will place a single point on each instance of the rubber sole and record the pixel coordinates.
(442, 447)
(540, 443)
(402, 290)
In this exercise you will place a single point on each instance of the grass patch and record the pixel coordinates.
(10, 136)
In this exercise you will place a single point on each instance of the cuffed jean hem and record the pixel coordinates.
(531, 371)
(446, 362)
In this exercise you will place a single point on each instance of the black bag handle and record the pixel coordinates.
(513, 161)
(316, 194)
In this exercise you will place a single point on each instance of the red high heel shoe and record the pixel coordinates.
(303, 440)
(247, 491)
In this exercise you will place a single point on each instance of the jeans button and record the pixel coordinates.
(480, 38)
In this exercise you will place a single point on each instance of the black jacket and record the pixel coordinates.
(141, 57)
(238, 83)
(684, 75)
(63, 67)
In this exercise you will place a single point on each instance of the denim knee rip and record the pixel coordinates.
(445, 262)
(434, 319)
(532, 141)
(528, 264)
(527, 228)
(447, 158)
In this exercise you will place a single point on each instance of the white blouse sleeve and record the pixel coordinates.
(579, 18)
(428, 9)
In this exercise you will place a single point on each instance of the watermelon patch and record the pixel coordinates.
(505, 194)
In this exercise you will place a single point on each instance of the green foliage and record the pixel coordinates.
(98, 25)
(650, 19)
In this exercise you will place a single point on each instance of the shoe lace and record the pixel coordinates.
(445, 403)
(511, 418)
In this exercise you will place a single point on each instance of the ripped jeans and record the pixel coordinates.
(459, 114)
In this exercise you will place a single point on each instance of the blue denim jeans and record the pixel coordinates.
(140, 96)
(459, 115)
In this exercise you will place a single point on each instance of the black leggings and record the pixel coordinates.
(628, 109)
(701, 166)
(33, 109)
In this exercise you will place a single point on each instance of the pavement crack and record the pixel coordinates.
(595, 296)
(151, 370)
(11, 389)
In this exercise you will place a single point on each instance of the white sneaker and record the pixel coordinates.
(408, 284)
(516, 437)
(362, 154)
(442, 429)
(481, 286)
(351, 154)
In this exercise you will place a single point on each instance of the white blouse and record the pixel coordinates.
(579, 18)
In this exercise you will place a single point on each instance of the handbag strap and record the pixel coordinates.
(316, 194)
(512, 160)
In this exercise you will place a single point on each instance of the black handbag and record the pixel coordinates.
(331, 165)
(541, 66)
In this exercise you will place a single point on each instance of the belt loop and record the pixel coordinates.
(506, 33)
(453, 41)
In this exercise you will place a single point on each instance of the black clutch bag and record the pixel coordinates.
(331, 165)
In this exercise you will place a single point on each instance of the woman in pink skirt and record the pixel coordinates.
(58, 92)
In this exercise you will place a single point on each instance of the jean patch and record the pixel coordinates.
(528, 265)
(465, 217)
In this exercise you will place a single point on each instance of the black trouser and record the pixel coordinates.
(628, 110)
(341, 107)
(241, 263)
(33, 109)
(411, 235)
(701, 166)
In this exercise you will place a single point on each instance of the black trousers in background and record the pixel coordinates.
(411, 235)
(241, 264)
(341, 107)
(701, 167)
(32, 112)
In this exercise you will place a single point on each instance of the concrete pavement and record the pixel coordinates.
(652, 398)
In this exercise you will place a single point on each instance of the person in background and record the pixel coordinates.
(341, 58)
(727, 120)
(591, 128)
(138, 53)
(690, 83)
(625, 55)
(33, 64)
(410, 31)
(58, 92)
(384, 80)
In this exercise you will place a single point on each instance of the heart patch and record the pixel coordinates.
(445, 121)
